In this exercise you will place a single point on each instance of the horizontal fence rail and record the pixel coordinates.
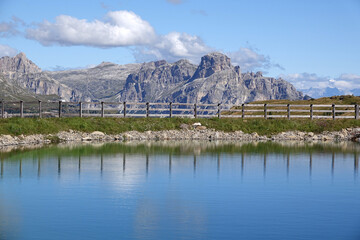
(160, 110)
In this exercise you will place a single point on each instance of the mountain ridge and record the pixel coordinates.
(214, 80)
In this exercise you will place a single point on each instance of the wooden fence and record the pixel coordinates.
(131, 109)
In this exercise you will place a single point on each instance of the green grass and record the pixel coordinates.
(28, 126)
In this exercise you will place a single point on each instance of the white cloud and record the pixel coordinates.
(6, 50)
(307, 80)
(249, 60)
(120, 28)
(175, 46)
(350, 76)
(9, 29)
(172, 47)
(345, 82)
(126, 29)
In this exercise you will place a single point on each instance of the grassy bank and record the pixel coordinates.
(27, 126)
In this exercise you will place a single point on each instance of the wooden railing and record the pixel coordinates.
(132, 109)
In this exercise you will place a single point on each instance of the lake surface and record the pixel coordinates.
(181, 190)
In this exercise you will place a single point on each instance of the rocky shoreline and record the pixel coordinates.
(187, 132)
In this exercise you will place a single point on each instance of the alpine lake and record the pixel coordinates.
(181, 190)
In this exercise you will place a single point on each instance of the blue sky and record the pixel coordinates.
(310, 43)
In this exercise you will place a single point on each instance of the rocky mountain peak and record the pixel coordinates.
(21, 55)
(152, 65)
(214, 80)
(160, 63)
(182, 62)
(211, 63)
(105, 64)
(258, 74)
(20, 64)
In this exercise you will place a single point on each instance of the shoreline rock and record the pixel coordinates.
(349, 134)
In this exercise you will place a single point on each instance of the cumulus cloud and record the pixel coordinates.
(249, 60)
(347, 81)
(120, 28)
(10, 29)
(307, 80)
(344, 82)
(350, 77)
(172, 47)
(126, 29)
(6, 50)
(175, 1)
(175, 46)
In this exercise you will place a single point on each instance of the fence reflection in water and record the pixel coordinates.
(104, 163)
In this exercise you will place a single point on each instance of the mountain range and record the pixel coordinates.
(214, 80)
(329, 92)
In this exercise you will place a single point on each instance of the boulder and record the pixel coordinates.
(98, 133)
(200, 128)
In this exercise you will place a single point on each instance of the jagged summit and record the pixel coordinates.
(211, 63)
(214, 80)
(105, 64)
(182, 62)
(21, 55)
(20, 64)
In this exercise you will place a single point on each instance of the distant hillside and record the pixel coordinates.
(329, 91)
(21, 72)
(13, 92)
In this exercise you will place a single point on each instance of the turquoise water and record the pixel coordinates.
(190, 190)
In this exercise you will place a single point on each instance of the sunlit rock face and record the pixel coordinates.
(20, 64)
(214, 80)
(20, 72)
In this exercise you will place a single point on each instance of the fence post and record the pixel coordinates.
(265, 111)
(21, 109)
(219, 111)
(311, 112)
(147, 109)
(243, 111)
(80, 109)
(333, 111)
(124, 109)
(2, 109)
(102, 109)
(195, 111)
(288, 111)
(170, 106)
(356, 111)
(40, 109)
(60, 108)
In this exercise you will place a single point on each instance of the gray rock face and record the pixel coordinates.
(10, 91)
(41, 83)
(19, 64)
(21, 72)
(102, 82)
(155, 80)
(212, 63)
(215, 80)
